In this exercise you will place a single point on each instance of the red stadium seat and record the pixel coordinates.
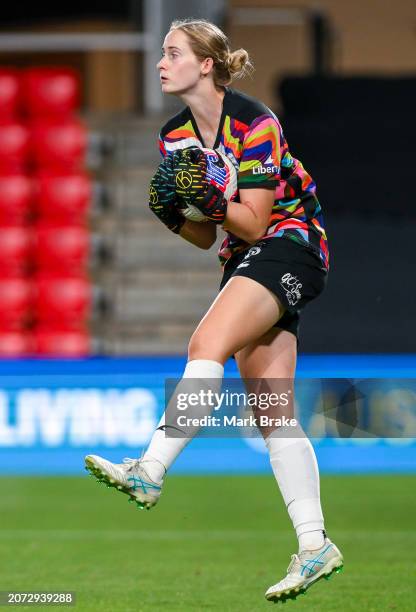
(14, 146)
(62, 343)
(63, 197)
(62, 248)
(9, 94)
(50, 92)
(58, 145)
(16, 300)
(16, 245)
(15, 199)
(62, 301)
(16, 344)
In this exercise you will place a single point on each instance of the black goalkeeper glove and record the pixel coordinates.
(196, 183)
(162, 196)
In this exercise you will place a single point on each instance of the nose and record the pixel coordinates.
(161, 63)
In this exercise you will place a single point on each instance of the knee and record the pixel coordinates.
(203, 345)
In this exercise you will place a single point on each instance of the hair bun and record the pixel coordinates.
(239, 64)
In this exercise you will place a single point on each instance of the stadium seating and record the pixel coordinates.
(16, 196)
(9, 94)
(45, 195)
(62, 302)
(16, 344)
(16, 296)
(14, 146)
(50, 92)
(67, 343)
(16, 244)
(63, 197)
(62, 248)
(58, 144)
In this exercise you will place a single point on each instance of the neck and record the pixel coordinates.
(205, 103)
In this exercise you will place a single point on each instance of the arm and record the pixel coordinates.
(249, 218)
(202, 235)
(259, 174)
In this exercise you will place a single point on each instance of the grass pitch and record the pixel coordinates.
(212, 543)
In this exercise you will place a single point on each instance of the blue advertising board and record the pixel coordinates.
(53, 412)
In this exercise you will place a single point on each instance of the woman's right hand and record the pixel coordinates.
(162, 196)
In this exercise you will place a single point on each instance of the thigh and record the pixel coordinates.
(273, 355)
(267, 365)
(242, 312)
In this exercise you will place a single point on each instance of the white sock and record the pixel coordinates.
(295, 468)
(162, 451)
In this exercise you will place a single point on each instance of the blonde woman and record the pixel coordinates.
(275, 260)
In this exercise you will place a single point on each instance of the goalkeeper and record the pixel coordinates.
(275, 260)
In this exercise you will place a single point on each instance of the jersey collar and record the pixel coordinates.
(220, 125)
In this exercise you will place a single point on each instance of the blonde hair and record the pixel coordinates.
(207, 40)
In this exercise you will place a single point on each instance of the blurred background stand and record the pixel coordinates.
(346, 101)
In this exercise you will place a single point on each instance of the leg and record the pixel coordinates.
(228, 325)
(292, 457)
(242, 312)
(296, 471)
(273, 355)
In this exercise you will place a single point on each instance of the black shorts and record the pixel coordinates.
(294, 273)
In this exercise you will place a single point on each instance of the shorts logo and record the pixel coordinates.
(292, 286)
(253, 251)
(184, 179)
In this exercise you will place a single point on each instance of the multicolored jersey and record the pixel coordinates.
(250, 134)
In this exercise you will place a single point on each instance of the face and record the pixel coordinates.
(180, 70)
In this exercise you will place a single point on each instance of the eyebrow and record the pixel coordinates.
(176, 48)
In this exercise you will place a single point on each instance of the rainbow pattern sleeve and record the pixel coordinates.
(162, 148)
(260, 158)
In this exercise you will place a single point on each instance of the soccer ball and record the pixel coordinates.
(222, 173)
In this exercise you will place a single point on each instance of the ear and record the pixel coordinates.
(207, 65)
